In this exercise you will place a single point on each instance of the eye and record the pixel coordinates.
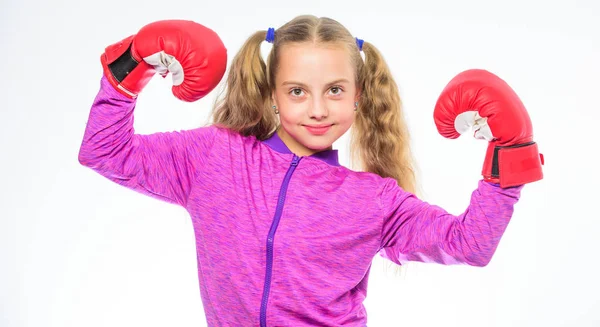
(336, 90)
(297, 92)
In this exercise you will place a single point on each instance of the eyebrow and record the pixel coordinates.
(337, 81)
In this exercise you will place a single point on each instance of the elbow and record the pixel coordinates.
(83, 159)
(481, 263)
(86, 158)
(479, 259)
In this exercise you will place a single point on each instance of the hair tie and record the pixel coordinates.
(359, 43)
(270, 35)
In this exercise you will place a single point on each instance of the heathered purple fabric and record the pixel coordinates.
(334, 220)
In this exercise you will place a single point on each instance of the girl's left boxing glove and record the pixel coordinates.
(479, 100)
(192, 53)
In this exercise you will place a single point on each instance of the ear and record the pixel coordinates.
(357, 96)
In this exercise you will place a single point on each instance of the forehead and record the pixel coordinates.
(313, 64)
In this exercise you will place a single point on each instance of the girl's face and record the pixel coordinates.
(315, 93)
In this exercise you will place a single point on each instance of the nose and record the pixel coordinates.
(318, 109)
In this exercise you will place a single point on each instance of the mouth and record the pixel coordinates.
(318, 129)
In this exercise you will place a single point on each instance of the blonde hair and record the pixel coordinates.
(380, 141)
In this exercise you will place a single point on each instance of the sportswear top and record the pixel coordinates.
(283, 240)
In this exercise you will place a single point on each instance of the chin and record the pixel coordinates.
(317, 145)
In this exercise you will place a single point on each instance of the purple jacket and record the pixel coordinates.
(283, 240)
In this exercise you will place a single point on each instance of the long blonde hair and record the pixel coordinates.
(380, 141)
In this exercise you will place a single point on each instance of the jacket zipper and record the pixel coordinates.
(271, 237)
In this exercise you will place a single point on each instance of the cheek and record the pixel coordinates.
(289, 116)
(345, 114)
(346, 121)
(291, 113)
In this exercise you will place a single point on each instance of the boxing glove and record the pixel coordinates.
(480, 101)
(192, 53)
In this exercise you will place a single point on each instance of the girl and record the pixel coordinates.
(286, 235)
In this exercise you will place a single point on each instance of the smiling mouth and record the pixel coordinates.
(318, 130)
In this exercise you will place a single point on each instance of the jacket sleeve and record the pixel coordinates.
(160, 165)
(414, 230)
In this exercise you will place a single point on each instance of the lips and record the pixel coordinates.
(317, 129)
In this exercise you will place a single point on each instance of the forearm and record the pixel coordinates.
(109, 130)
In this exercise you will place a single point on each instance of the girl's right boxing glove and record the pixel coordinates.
(194, 54)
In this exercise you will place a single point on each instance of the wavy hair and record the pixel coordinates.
(380, 141)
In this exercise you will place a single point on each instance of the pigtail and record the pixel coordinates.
(380, 141)
(245, 106)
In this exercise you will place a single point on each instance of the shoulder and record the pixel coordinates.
(223, 135)
(366, 181)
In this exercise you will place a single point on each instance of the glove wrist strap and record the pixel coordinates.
(126, 73)
(513, 165)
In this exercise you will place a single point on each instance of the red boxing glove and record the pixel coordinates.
(481, 100)
(194, 54)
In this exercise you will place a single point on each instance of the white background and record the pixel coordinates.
(78, 250)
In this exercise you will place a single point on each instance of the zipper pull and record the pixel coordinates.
(295, 160)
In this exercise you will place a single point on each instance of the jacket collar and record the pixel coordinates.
(328, 156)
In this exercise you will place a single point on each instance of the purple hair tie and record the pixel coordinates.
(359, 43)
(270, 35)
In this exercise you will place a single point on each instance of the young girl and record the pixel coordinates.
(286, 235)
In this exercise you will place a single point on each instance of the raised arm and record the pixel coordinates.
(417, 231)
(161, 165)
(414, 230)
